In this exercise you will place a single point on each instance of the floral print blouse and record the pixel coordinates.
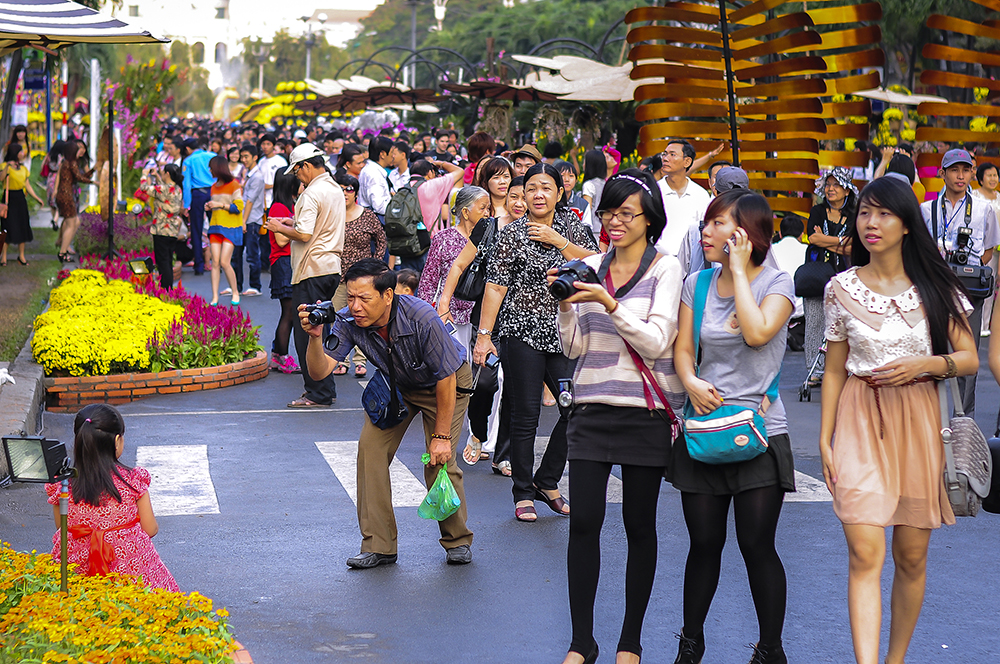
(167, 202)
(358, 238)
(519, 263)
(446, 245)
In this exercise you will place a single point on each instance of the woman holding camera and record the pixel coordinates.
(164, 188)
(742, 339)
(518, 302)
(895, 323)
(621, 333)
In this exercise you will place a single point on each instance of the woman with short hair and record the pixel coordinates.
(744, 307)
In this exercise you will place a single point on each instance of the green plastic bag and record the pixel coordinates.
(442, 500)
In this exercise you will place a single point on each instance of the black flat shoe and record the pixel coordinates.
(763, 654)
(367, 560)
(690, 650)
(22, 262)
(592, 657)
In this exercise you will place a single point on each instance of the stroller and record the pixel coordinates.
(805, 390)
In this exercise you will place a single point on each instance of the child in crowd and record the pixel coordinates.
(111, 522)
(406, 282)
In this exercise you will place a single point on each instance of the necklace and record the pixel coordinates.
(838, 209)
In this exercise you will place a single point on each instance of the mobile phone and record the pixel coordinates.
(452, 330)
(725, 247)
(492, 361)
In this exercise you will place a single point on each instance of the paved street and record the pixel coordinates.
(255, 508)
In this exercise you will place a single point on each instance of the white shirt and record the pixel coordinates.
(373, 188)
(399, 180)
(683, 211)
(593, 188)
(269, 166)
(790, 254)
(985, 231)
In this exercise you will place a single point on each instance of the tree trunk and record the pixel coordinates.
(7, 107)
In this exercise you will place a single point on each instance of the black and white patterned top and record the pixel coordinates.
(519, 263)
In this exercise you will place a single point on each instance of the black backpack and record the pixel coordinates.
(401, 218)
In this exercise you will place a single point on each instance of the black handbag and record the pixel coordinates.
(472, 283)
(991, 503)
(811, 278)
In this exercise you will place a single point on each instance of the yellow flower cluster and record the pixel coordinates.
(110, 619)
(982, 124)
(95, 327)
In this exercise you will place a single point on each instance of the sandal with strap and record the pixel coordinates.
(473, 451)
(340, 370)
(527, 514)
(502, 468)
(557, 504)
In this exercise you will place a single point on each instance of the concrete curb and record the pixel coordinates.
(21, 403)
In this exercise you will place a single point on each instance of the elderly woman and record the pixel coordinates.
(471, 210)
(828, 228)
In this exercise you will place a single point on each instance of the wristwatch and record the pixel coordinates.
(484, 332)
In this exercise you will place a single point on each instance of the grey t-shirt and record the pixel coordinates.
(741, 374)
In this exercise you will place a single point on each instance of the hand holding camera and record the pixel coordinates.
(312, 317)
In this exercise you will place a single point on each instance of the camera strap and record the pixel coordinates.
(648, 380)
(944, 232)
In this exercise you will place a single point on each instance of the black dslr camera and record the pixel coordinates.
(320, 314)
(960, 254)
(574, 270)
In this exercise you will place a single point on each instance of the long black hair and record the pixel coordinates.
(922, 262)
(96, 429)
(595, 166)
(633, 181)
(286, 189)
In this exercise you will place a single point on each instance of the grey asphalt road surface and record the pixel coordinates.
(255, 511)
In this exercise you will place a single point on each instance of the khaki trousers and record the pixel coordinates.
(376, 449)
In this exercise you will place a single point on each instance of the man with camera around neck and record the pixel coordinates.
(407, 342)
(317, 240)
(966, 231)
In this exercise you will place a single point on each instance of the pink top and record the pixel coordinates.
(446, 245)
(134, 550)
(432, 194)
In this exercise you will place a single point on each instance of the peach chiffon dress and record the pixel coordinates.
(887, 445)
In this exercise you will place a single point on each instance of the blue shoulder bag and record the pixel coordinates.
(729, 434)
(381, 399)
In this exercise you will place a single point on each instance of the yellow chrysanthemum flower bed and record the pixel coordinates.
(96, 327)
(110, 619)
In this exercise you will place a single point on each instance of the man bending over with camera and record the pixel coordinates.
(403, 337)
(965, 229)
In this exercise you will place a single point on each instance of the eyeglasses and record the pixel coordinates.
(296, 168)
(625, 217)
(347, 189)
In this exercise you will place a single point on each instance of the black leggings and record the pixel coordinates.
(289, 317)
(756, 513)
(588, 495)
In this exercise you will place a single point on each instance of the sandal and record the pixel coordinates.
(502, 468)
(360, 371)
(526, 514)
(483, 456)
(340, 370)
(303, 402)
(22, 262)
(557, 504)
(473, 451)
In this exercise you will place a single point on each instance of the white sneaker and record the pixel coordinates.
(250, 292)
(226, 291)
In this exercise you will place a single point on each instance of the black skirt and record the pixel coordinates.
(776, 466)
(18, 222)
(618, 435)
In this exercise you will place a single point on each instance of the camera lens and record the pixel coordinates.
(561, 288)
(565, 399)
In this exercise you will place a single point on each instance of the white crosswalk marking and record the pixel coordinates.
(808, 490)
(182, 483)
(614, 484)
(342, 456)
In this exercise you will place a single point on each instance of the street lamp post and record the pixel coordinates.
(260, 52)
(413, 39)
(311, 39)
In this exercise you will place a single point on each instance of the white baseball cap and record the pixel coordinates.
(302, 153)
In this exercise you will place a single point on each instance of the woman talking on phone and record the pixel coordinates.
(517, 300)
(621, 333)
(744, 307)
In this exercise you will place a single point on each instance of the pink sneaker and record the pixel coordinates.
(274, 364)
(288, 365)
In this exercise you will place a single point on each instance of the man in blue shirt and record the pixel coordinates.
(404, 334)
(197, 187)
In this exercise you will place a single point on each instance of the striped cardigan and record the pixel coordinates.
(647, 318)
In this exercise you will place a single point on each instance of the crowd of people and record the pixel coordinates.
(465, 281)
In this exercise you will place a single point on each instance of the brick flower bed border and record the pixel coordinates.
(69, 394)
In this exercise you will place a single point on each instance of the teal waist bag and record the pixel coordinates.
(729, 434)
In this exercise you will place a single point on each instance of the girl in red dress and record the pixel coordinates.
(111, 521)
